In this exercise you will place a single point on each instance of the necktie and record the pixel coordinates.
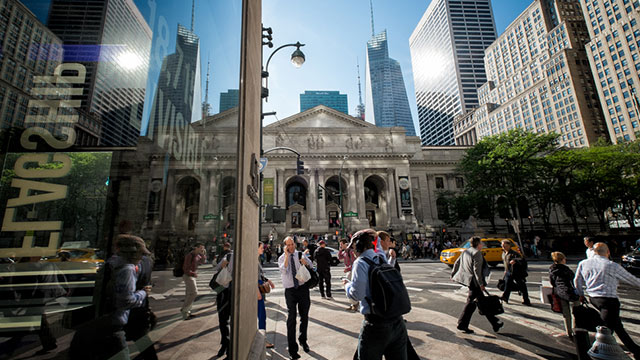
(293, 272)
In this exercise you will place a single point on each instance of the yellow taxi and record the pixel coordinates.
(82, 255)
(491, 249)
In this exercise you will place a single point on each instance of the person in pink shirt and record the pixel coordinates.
(348, 256)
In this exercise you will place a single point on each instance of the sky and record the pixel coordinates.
(336, 33)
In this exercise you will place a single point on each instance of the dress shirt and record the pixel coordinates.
(358, 289)
(601, 276)
(287, 275)
(590, 253)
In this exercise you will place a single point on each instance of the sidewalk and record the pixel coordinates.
(332, 334)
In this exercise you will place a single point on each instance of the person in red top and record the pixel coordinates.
(348, 256)
(190, 268)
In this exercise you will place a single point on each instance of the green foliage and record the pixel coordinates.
(518, 165)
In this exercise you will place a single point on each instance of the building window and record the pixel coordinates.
(459, 182)
(296, 221)
(439, 182)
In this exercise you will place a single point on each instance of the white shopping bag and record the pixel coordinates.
(224, 277)
(545, 293)
(303, 274)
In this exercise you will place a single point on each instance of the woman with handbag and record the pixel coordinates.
(564, 294)
(264, 287)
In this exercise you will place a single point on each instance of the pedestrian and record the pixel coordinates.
(588, 242)
(598, 277)
(309, 249)
(471, 271)
(262, 311)
(348, 256)
(223, 300)
(561, 278)
(378, 336)
(323, 265)
(190, 267)
(268, 252)
(296, 295)
(534, 246)
(130, 250)
(388, 244)
(515, 273)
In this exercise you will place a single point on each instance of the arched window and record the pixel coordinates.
(371, 192)
(296, 194)
(443, 209)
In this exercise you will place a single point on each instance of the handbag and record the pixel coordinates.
(556, 304)
(587, 317)
(501, 284)
(264, 288)
(489, 305)
(141, 321)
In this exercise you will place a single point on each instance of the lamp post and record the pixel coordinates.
(340, 192)
(297, 59)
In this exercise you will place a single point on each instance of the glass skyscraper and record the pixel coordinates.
(332, 99)
(387, 104)
(229, 99)
(447, 55)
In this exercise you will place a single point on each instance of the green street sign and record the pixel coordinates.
(210, 217)
(351, 214)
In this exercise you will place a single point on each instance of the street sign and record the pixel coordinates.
(351, 214)
(263, 164)
(210, 217)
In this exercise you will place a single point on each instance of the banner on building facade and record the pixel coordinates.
(405, 193)
(267, 191)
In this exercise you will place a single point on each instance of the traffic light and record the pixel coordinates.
(444, 230)
(299, 167)
(319, 193)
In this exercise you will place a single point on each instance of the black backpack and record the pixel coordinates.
(178, 270)
(389, 296)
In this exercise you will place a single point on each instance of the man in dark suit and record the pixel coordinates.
(323, 262)
(470, 270)
(515, 273)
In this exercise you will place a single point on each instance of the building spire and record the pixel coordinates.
(193, 13)
(373, 32)
(360, 109)
(205, 105)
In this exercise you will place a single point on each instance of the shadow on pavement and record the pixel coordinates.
(559, 354)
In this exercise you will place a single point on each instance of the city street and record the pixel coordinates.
(529, 332)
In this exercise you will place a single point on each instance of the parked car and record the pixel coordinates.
(83, 255)
(631, 261)
(492, 251)
(334, 256)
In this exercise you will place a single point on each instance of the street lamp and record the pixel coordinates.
(340, 192)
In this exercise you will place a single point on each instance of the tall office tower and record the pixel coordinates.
(28, 50)
(386, 96)
(614, 32)
(447, 49)
(176, 103)
(332, 99)
(539, 77)
(229, 99)
(112, 40)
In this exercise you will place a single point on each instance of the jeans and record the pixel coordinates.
(388, 338)
(567, 314)
(520, 283)
(610, 314)
(262, 312)
(324, 276)
(224, 313)
(297, 300)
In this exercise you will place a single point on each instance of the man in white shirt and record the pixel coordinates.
(295, 294)
(588, 242)
(600, 276)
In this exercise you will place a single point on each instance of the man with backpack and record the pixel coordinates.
(383, 300)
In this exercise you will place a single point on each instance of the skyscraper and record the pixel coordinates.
(546, 85)
(614, 31)
(387, 104)
(447, 55)
(116, 75)
(229, 99)
(332, 99)
(177, 100)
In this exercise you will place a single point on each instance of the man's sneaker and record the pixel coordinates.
(323, 297)
(497, 326)
(294, 356)
(329, 298)
(466, 330)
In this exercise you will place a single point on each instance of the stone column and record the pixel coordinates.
(214, 183)
(362, 213)
(391, 196)
(353, 204)
(312, 196)
(280, 190)
(168, 215)
(204, 194)
(322, 204)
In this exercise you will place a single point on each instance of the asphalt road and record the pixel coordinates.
(536, 329)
